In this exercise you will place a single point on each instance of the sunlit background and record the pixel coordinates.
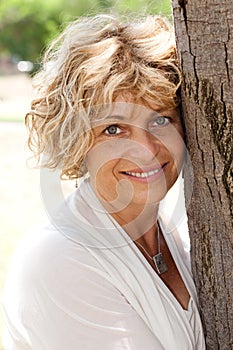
(26, 26)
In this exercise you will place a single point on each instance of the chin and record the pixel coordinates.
(151, 198)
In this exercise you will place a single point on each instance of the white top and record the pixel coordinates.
(81, 283)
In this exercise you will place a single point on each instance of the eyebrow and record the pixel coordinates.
(108, 118)
(117, 117)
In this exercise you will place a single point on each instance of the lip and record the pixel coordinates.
(147, 174)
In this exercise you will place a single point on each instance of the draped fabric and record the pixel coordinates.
(81, 282)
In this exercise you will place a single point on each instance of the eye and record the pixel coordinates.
(112, 130)
(161, 121)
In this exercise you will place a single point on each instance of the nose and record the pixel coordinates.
(144, 145)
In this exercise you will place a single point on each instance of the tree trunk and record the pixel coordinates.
(204, 34)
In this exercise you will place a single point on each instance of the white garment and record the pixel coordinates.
(81, 283)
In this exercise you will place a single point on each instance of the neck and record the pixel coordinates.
(138, 221)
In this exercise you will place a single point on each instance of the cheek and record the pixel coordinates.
(103, 154)
(101, 158)
(175, 145)
(177, 153)
(103, 175)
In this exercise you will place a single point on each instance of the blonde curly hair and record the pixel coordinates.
(92, 62)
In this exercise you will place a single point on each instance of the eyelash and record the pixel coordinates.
(167, 120)
(106, 130)
(110, 126)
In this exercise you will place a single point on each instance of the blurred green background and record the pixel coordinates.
(26, 27)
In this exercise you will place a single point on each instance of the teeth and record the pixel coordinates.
(143, 175)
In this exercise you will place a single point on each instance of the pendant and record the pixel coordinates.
(160, 264)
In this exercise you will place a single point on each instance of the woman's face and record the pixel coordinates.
(137, 154)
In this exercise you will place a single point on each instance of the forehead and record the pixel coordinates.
(124, 111)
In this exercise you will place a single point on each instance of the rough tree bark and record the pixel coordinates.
(204, 33)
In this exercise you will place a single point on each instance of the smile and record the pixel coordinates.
(143, 174)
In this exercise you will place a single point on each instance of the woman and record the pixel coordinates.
(107, 272)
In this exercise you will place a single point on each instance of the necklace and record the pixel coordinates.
(158, 259)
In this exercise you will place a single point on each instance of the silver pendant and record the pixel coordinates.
(160, 264)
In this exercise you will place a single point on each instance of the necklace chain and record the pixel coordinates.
(144, 249)
(158, 258)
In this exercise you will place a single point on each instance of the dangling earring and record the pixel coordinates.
(76, 183)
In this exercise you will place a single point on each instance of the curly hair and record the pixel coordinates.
(93, 61)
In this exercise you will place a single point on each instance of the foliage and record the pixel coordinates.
(26, 26)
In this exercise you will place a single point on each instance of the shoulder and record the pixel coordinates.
(48, 263)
